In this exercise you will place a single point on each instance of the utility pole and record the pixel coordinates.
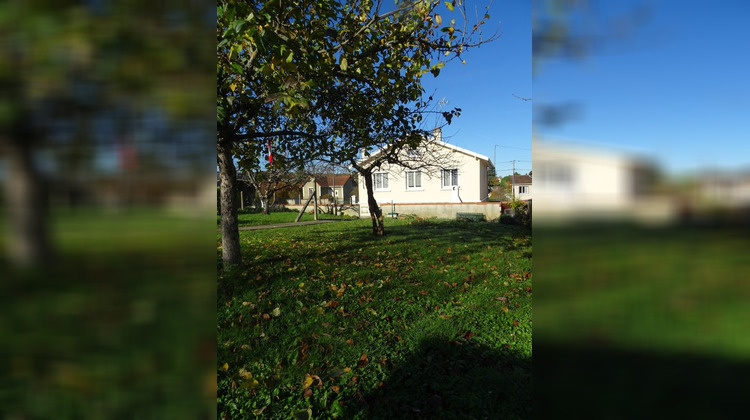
(513, 182)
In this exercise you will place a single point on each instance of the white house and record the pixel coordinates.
(584, 181)
(521, 187)
(456, 176)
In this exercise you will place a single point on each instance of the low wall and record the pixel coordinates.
(491, 210)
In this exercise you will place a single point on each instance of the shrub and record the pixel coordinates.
(521, 214)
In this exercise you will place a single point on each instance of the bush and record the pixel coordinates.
(520, 215)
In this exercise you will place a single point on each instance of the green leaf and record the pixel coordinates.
(343, 64)
(302, 414)
(449, 5)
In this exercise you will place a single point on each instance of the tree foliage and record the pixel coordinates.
(321, 76)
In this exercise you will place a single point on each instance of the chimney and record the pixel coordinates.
(437, 134)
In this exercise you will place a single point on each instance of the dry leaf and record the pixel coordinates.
(363, 361)
(225, 367)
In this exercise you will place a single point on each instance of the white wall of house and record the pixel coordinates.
(462, 179)
(522, 191)
(571, 179)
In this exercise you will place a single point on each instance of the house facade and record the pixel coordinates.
(521, 187)
(585, 182)
(456, 175)
(339, 186)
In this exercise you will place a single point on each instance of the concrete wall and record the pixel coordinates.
(491, 210)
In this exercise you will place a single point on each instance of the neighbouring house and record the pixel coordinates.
(724, 188)
(581, 181)
(521, 187)
(338, 186)
(456, 176)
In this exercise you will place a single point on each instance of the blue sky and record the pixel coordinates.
(484, 87)
(675, 88)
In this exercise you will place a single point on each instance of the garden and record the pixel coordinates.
(432, 320)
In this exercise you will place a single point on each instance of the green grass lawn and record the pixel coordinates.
(643, 321)
(257, 219)
(431, 321)
(121, 326)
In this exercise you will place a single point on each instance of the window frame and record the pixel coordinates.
(455, 179)
(416, 176)
(382, 176)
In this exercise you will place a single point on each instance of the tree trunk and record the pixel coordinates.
(265, 204)
(29, 243)
(230, 235)
(376, 214)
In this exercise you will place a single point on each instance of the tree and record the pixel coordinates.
(319, 75)
(276, 177)
(64, 67)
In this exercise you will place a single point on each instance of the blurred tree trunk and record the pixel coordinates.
(25, 201)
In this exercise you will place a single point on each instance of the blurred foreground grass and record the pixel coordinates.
(121, 326)
(653, 321)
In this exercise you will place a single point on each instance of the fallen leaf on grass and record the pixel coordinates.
(504, 308)
(225, 367)
(276, 312)
(503, 298)
(332, 304)
(468, 335)
(515, 323)
(423, 292)
(363, 361)
(350, 342)
(336, 388)
(266, 316)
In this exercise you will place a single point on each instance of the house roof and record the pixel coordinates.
(522, 179)
(327, 180)
(447, 146)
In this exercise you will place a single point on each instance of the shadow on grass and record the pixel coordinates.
(606, 383)
(445, 379)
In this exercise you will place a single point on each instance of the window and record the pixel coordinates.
(523, 189)
(412, 153)
(413, 180)
(450, 178)
(380, 180)
(310, 192)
